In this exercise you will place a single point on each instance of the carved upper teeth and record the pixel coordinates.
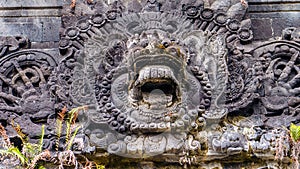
(154, 72)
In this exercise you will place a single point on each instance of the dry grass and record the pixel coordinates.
(5, 136)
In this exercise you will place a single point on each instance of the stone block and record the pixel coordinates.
(37, 29)
(31, 30)
(262, 28)
(280, 24)
(30, 3)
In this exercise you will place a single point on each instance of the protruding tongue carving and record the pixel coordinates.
(157, 98)
(156, 86)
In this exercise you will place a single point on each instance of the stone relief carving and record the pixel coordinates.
(11, 44)
(178, 77)
(25, 95)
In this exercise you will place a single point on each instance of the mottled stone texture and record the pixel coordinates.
(38, 20)
(270, 17)
(167, 84)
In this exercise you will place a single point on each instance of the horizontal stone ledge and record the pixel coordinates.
(273, 1)
(274, 7)
(45, 45)
(37, 30)
(30, 3)
(30, 13)
(278, 14)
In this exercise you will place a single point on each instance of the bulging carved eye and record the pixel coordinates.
(172, 50)
(166, 44)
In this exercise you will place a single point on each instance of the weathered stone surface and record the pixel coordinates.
(193, 83)
(31, 3)
(39, 30)
(39, 20)
(262, 24)
(278, 14)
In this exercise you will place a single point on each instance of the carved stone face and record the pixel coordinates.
(179, 77)
(154, 85)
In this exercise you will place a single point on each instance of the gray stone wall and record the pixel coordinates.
(270, 17)
(40, 20)
(230, 87)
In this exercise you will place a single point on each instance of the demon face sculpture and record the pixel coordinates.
(153, 83)
(177, 79)
(155, 88)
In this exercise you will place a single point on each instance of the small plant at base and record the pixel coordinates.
(11, 153)
(70, 125)
(295, 135)
(281, 146)
(5, 137)
(59, 123)
(67, 157)
(31, 153)
(288, 142)
(91, 164)
(71, 121)
(100, 166)
(14, 151)
(295, 132)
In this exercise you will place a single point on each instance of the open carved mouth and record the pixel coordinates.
(155, 88)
